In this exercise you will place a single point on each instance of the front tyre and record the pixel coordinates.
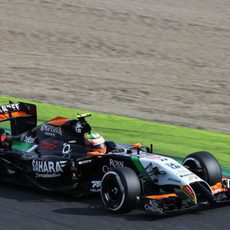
(204, 165)
(120, 190)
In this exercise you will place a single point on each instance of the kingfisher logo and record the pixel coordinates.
(48, 168)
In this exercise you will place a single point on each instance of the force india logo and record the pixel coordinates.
(48, 168)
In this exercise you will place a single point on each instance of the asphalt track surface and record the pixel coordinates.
(23, 208)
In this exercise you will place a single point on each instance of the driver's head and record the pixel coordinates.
(95, 142)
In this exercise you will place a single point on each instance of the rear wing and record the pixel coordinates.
(22, 116)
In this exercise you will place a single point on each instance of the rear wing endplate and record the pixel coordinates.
(22, 116)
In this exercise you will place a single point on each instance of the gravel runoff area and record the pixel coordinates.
(166, 61)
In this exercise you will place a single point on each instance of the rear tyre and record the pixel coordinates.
(120, 190)
(204, 165)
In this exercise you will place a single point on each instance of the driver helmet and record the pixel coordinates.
(95, 142)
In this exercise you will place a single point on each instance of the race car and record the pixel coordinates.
(57, 155)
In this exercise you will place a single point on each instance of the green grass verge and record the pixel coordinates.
(167, 139)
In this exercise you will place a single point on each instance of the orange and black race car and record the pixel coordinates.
(64, 154)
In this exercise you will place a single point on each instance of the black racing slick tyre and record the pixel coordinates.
(204, 165)
(120, 190)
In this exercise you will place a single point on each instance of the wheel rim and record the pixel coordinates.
(112, 191)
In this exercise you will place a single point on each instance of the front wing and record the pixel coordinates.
(167, 203)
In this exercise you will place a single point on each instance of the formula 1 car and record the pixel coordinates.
(53, 156)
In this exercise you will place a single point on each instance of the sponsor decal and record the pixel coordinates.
(95, 186)
(182, 170)
(29, 139)
(164, 159)
(112, 164)
(153, 206)
(116, 163)
(72, 142)
(39, 175)
(192, 177)
(186, 174)
(48, 168)
(9, 108)
(78, 127)
(173, 165)
(66, 150)
(51, 130)
(48, 146)
(154, 157)
(84, 162)
(174, 180)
